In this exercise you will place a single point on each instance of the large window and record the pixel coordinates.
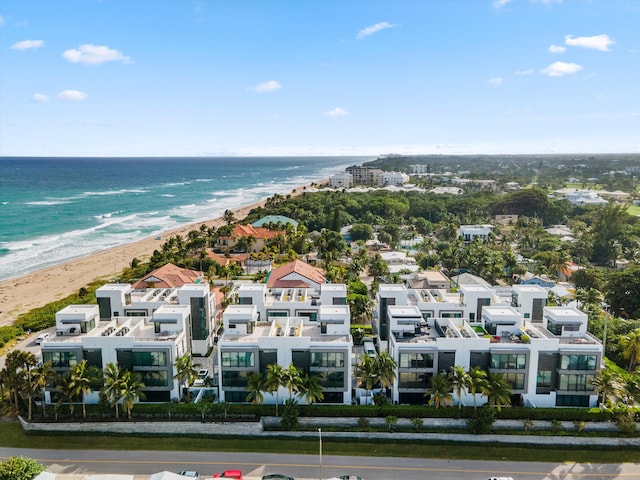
(576, 383)
(572, 401)
(516, 380)
(238, 359)
(544, 379)
(508, 361)
(150, 359)
(327, 359)
(235, 379)
(578, 362)
(414, 380)
(155, 378)
(416, 360)
(60, 359)
(331, 379)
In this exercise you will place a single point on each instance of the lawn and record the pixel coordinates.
(12, 435)
(634, 210)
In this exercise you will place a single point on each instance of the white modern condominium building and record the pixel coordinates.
(299, 326)
(548, 363)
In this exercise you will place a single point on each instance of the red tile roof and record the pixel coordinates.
(224, 261)
(169, 276)
(255, 232)
(277, 280)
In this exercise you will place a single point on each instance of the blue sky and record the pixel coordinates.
(333, 77)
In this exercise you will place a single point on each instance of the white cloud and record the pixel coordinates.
(1, 21)
(72, 95)
(336, 112)
(27, 44)
(557, 48)
(500, 3)
(269, 86)
(95, 55)
(635, 114)
(496, 80)
(365, 32)
(596, 42)
(560, 69)
(40, 98)
(521, 73)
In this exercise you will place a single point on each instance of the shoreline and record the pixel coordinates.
(18, 295)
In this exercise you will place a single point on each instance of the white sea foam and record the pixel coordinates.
(46, 203)
(108, 228)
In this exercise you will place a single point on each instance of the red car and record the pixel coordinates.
(235, 474)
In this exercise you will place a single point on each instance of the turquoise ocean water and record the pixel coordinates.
(56, 209)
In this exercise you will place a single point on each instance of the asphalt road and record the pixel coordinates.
(307, 467)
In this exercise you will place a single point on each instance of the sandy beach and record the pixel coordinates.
(19, 295)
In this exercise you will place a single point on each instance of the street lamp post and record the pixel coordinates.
(320, 438)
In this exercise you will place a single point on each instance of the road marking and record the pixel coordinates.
(349, 467)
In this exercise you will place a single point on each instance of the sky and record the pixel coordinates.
(331, 77)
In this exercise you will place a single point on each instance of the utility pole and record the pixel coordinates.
(320, 438)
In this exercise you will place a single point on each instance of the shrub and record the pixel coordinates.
(579, 425)
(290, 415)
(391, 422)
(417, 423)
(556, 425)
(20, 468)
(483, 421)
(364, 424)
(625, 420)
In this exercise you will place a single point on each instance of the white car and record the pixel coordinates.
(190, 473)
(42, 337)
(202, 375)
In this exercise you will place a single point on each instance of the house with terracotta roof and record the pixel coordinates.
(259, 235)
(169, 276)
(296, 274)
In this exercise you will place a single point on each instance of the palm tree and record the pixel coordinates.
(477, 382)
(42, 375)
(82, 381)
(67, 391)
(255, 387)
(385, 366)
(186, 371)
(113, 386)
(460, 381)
(440, 392)
(229, 217)
(132, 386)
(498, 391)
(311, 389)
(630, 345)
(366, 374)
(273, 381)
(291, 379)
(607, 383)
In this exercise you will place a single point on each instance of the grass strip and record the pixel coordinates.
(12, 435)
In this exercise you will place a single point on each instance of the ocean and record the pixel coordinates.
(55, 209)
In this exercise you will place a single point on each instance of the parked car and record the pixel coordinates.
(235, 474)
(203, 373)
(42, 337)
(277, 476)
(190, 474)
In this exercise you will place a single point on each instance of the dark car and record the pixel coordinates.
(277, 476)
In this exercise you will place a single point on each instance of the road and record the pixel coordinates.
(307, 467)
